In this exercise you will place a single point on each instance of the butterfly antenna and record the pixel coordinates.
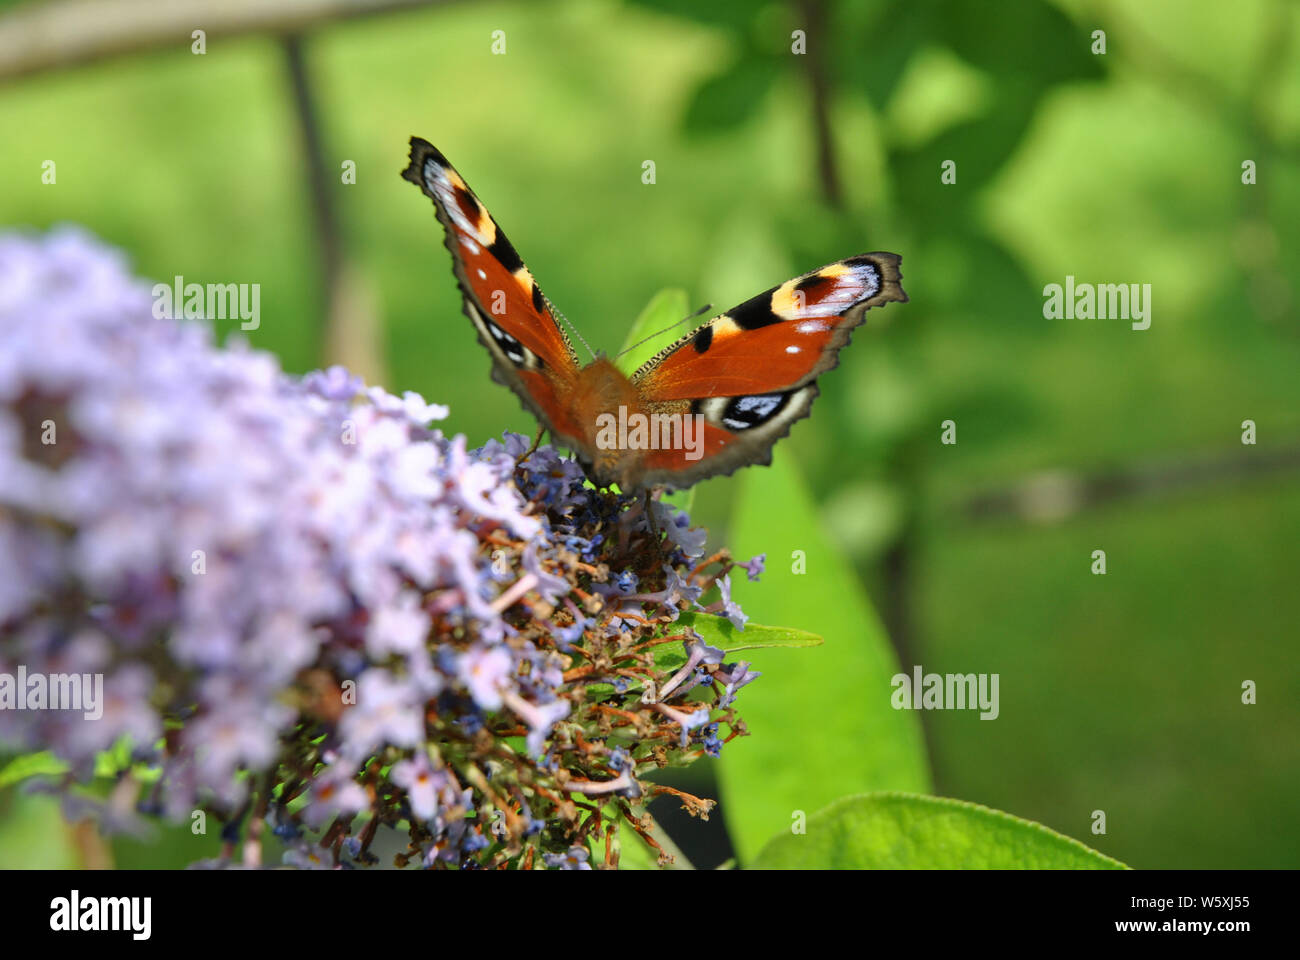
(703, 309)
(568, 323)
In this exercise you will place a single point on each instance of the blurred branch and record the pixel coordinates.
(1052, 496)
(814, 17)
(68, 33)
(351, 331)
(327, 226)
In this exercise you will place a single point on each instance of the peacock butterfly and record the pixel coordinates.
(715, 400)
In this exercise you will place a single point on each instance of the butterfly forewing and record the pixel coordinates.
(530, 351)
(751, 372)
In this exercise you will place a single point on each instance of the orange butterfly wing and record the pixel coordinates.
(751, 372)
(530, 352)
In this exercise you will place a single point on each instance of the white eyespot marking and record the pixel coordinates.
(811, 326)
(482, 275)
(791, 349)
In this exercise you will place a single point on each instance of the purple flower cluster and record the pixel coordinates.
(312, 611)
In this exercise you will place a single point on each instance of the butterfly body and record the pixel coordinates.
(713, 401)
(601, 390)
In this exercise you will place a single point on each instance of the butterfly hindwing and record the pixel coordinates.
(751, 372)
(530, 352)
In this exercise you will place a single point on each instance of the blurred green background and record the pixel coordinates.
(1119, 692)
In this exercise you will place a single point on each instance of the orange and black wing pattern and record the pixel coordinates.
(752, 371)
(530, 352)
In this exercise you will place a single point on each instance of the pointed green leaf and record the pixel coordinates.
(664, 309)
(31, 765)
(899, 831)
(719, 632)
(821, 721)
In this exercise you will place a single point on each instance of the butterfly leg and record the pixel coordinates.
(537, 440)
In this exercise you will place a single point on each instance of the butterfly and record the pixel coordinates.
(715, 400)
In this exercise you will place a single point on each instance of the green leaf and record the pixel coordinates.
(1039, 44)
(28, 765)
(665, 308)
(972, 257)
(907, 23)
(821, 719)
(900, 831)
(634, 853)
(728, 99)
(1024, 56)
(980, 146)
(718, 632)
